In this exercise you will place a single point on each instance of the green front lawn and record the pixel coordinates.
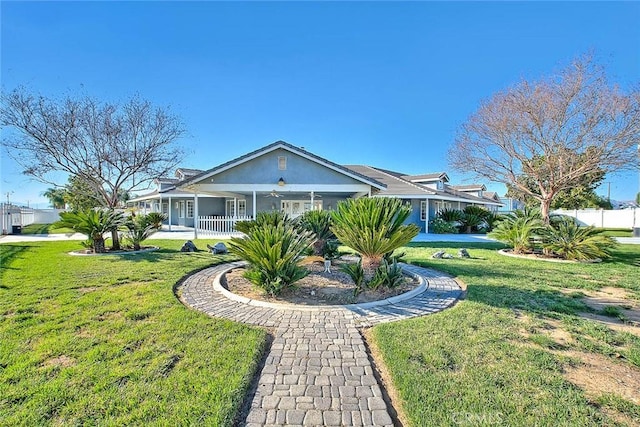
(491, 358)
(616, 232)
(45, 229)
(103, 340)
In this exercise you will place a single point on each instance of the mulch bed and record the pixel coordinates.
(318, 288)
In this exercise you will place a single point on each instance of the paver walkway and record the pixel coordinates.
(317, 371)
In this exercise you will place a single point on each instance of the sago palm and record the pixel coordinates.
(518, 228)
(373, 227)
(273, 253)
(93, 224)
(319, 223)
(568, 240)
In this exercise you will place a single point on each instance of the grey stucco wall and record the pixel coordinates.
(264, 170)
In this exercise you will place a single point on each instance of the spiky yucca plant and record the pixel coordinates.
(273, 252)
(93, 224)
(373, 227)
(565, 238)
(319, 223)
(518, 228)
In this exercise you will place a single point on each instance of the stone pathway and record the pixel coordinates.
(317, 371)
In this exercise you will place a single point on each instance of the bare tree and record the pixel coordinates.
(575, 121)
(114, 148)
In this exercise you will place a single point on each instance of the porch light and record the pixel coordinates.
(281, 182)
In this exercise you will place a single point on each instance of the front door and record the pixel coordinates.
(295, 208)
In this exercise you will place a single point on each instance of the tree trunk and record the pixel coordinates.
(98, 245)
(545, 207)
(369, 266)
(318, 245)
(115, 240)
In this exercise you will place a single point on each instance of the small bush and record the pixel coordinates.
(319, 223)
(519, 230)
(356, 272)
(440, 226)
(388, 274)
(273, 252)
(450, 215)
(565, 238)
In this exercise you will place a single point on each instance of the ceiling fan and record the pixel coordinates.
(273, 193)
(315, 196)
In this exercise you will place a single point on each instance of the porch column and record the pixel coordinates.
(458, 204)
(195, 216)
(254, 204)
(426, 216)
(235, 207)
(170, 213)
(312, 195)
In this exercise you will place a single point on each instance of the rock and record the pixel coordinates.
(447, 256)
(188, 246)
(438, 255)
(218, 248)
(463, 253)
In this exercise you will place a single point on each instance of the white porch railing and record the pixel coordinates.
(220, 225)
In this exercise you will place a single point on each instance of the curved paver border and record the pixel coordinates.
(218, 287)
(317, 371)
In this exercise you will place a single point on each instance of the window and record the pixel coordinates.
(165, 208)
(189, 208)
(440, 206)
(423, 210)
(182, 210)
(242, 208)
(282, 163)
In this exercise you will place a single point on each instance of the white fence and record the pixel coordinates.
(12, 216)
(619, 218)
(219, 225)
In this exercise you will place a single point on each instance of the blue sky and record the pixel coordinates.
(381, 83)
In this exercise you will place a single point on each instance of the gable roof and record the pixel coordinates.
(398, 185)
(288, 147)
(427, 177)
(470, 187)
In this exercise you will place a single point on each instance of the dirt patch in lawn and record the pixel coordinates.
(597, 375)
(62, 361)
(318, 288)
(619, 301)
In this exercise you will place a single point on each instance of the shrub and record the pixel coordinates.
(470, 222)
(440, 226)
(140, 227)
(518, 229)
(373, 227)
(93, 224)
(273, 218)
(319, 223)
(388, 274)
(273, 252)
(450, 215)
(566, 239)
(356, 272)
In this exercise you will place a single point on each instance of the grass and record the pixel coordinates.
(616, 232)
(491, 358)
(103, 340)
(45, 229)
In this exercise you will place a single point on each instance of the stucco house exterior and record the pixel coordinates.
(284, 177)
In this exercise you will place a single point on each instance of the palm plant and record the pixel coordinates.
(140, 227)
(565, 238)
(273, 252)
(518, 229)
(93, 224)
(450, 215)
(56, 196)
(373, 227)
(319, 223)
(273, 218)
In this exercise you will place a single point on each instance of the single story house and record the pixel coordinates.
(283, 177)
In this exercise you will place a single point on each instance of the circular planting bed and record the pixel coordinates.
(540, 257)
(89, 252)
(318, 288)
